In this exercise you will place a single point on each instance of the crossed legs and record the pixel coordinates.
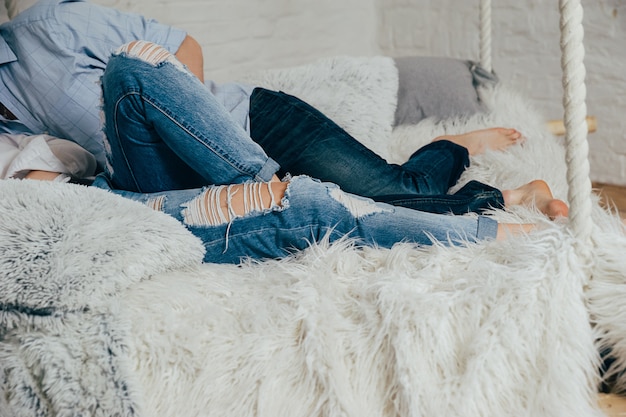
(238, 200)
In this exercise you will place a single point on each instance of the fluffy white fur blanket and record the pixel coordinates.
(105, 311)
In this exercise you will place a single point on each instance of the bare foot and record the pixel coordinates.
(478, 141)
(536, 193)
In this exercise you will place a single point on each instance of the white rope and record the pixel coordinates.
(575, 111)
(485, 34)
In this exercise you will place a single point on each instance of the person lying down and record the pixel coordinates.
(184, 157)
(272, 219)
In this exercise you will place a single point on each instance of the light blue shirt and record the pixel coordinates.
(52, 56)
(235, 97)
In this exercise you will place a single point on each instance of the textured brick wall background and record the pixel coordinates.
(526, 55)
(239, 36)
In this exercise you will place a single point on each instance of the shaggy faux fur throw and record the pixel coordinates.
(105, 309)
(66, 253)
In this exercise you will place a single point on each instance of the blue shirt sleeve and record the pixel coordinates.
(62, 48)
(100, 30)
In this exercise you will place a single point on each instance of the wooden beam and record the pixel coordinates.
(557, 127)
(612, 405)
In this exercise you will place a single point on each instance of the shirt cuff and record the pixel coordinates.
(487, 228)
(35, 156)
(268, 170)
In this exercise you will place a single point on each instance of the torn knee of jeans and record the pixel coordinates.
(149, 52)
(156, 203)
(357, 206)
(219, 205)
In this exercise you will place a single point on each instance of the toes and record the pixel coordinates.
(516, 137)
(557, 208)
(515, 134)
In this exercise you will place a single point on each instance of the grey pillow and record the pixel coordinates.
(438, 87)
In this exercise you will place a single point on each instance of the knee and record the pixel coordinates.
(144, 50)
(329, 203)
(218, 205)
(148, 52)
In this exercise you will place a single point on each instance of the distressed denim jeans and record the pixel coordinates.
(192, 141)
(310, 211)
(176, 156)
(164, 130)
(304, 141)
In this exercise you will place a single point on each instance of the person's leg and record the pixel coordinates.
(304, 141)
(271, 220)
(477, 197)
(165, 130)
(473, 197)
(537, 194)
(479, 141)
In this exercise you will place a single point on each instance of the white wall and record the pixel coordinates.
(239, 36)
(527, 57)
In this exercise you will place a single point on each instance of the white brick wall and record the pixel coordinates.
(239, 36)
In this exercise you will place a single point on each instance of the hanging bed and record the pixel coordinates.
(111, 313)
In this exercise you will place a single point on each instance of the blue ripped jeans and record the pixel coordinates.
(167, 139)
(310, 211)
(164, 130)
(193, 126)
